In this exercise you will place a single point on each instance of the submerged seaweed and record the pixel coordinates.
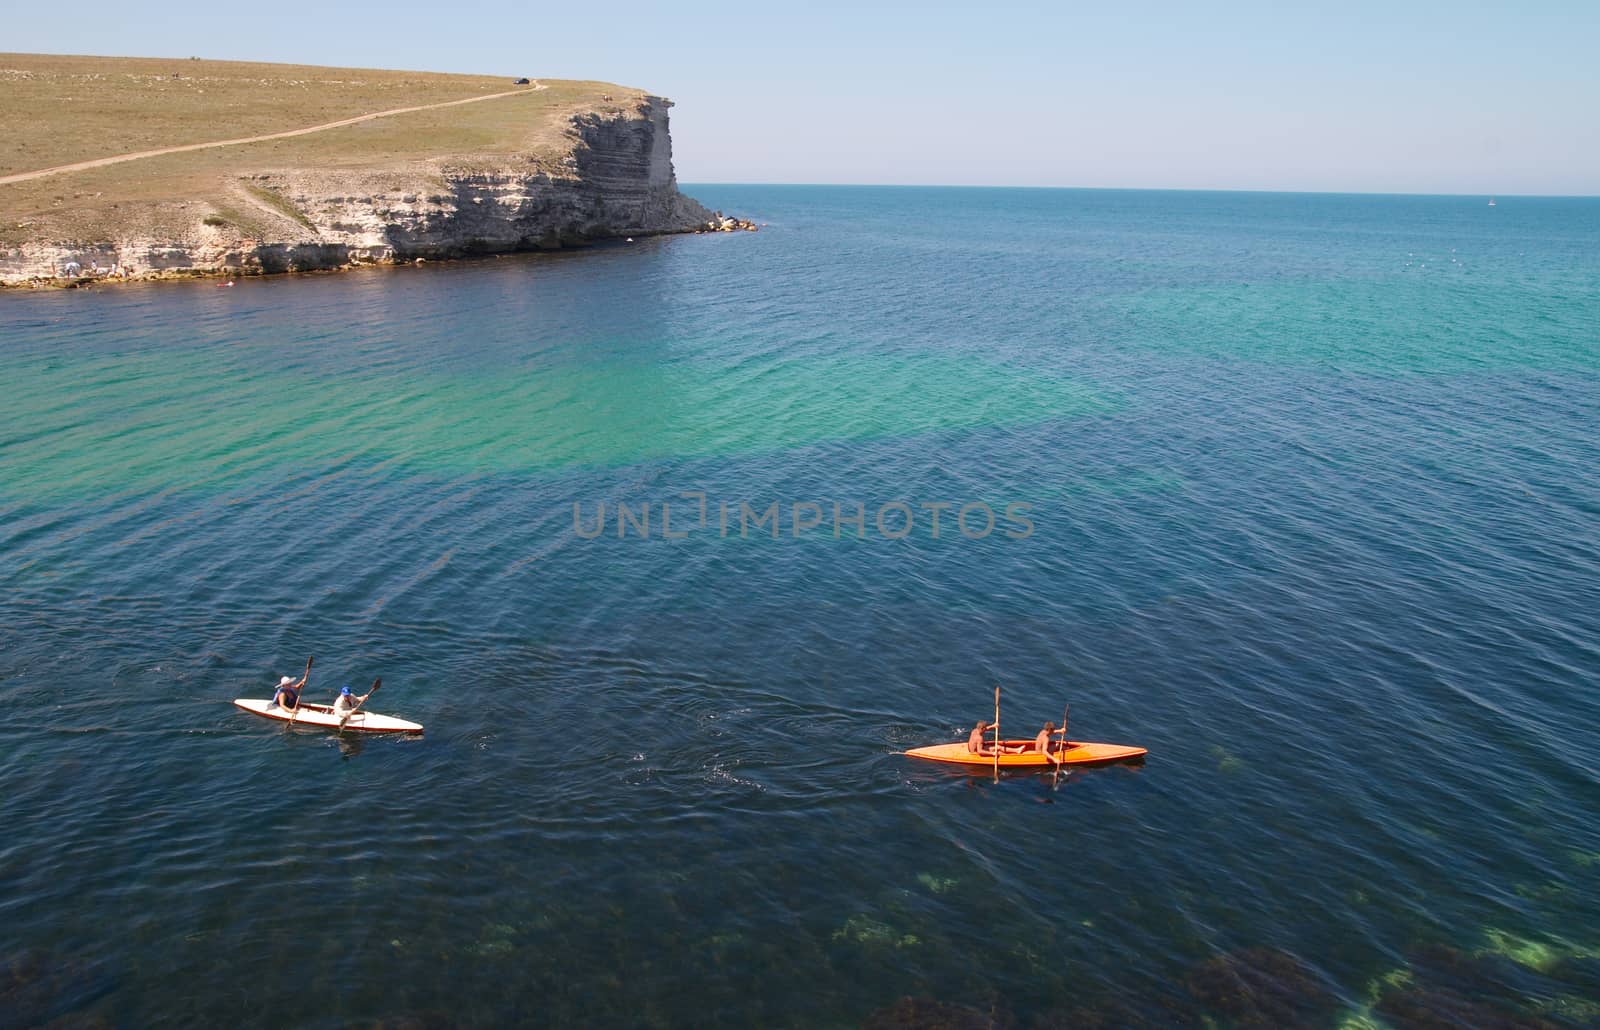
(1445, 987)
(1542, 955)
(872, 932)
(1227, 762)
(37, 988)
(431, 1019)
(1262, 987)
(1426, 1008)
(1110, 1015)
(926, 1014)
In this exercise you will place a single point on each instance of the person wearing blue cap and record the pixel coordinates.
(347, 702)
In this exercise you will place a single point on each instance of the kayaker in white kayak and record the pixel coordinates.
(287, 696)
(347, 703)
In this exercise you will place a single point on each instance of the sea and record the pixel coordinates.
(676, 545)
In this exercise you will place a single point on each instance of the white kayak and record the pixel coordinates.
(322, 716)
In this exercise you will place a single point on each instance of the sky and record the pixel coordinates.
(1415, 97)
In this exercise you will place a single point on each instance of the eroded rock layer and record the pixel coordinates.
(617, 181)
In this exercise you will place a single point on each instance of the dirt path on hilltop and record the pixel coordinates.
(103, 161)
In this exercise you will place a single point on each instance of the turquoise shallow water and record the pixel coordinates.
(1311, 507)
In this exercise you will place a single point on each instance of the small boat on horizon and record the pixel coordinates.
(1491, 202)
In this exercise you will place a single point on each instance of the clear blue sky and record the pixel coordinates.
(1399, 96)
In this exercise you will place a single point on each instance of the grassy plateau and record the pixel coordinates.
(60, 110)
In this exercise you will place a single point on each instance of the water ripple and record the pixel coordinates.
(1313, 525)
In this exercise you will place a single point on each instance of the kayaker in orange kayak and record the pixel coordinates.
(1041, 743)
(976, 745)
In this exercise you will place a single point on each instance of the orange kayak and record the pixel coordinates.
(1077, 753)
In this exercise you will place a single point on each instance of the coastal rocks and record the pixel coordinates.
(615, 182)
(725, 223)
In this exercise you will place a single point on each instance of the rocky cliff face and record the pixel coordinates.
(617, 181)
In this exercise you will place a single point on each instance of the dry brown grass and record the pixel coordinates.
(58, 110)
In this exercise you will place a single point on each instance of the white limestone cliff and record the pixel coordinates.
(617, 181)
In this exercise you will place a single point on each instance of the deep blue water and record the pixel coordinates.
(1311, 490)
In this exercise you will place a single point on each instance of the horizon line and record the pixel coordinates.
(1149, 189)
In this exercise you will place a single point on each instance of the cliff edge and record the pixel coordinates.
(523, 169)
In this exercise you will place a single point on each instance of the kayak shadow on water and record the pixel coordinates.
(349, 745)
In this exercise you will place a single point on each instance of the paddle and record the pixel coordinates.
(296, 713)
(375, 685)
(997, 734)
(1061, 755)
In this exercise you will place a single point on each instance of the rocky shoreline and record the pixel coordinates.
(278, 260)
(617, 183)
